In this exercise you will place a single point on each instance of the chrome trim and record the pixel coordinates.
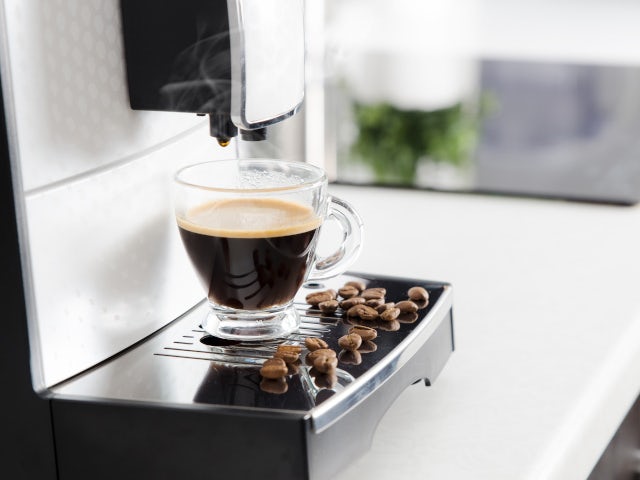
(37, 367)
(238, 73)
(330, 411)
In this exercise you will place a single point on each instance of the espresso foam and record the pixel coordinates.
(250, 218)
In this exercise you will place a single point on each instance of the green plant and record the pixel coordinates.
(393, 141)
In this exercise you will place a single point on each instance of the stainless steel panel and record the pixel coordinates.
(70, 94)
(107, 263)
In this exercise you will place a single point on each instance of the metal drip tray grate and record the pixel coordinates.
(199, 345)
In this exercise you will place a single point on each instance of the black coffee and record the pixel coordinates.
(250, 254)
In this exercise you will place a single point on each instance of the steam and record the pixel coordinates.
(200, 79)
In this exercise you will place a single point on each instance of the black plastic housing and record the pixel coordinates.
(177, 55)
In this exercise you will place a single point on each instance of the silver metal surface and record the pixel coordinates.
(267, 69)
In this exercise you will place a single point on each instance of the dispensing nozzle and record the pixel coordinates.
(222, 128)
(254, 135)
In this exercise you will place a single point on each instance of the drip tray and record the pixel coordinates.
(182, 393)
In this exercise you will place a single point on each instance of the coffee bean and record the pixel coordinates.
(317, 297)
(348, 292)
(286, 347)
(323, 352)
(374, 302)
(325, 363)
(390, 314)
(328, 307)
(351, 341)
(357, 284)
(313, 343)
(327, 352)
(384, 307)
(287, 355)
(350, 302)
(377, 292)
(409, 317)
(293, 367)
(276, 385)
(366, 333)
(273, 368)
(350, 357)
(363, 312)
(418, 294)
(407, 306)
(421, 303)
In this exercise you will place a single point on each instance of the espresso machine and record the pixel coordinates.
(106, 370)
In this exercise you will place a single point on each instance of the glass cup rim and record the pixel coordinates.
(319, 176)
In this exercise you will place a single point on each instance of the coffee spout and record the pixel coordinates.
(222, 128)
(254, 135)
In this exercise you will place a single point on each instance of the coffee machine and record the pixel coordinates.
(241, 63)
(106, 371)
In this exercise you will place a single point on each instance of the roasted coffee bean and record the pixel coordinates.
(348, 292)
(293, 367)
(350, 341)
(287, 355)
(377, 292)
(290, 348)
(315, 298)
(366, 333)
(273, 368)
(374, 302)
(357, 284)
(322, 352)
(325, 363)
(350, 302)
(409, 317)
(327, 352)
(276, 385)
(328, 307)
(384, 307)
(367, 347)
(350, 357)
(407, 306)
(325, 380)
(390, 314)
(421, 303)
(314, 343)
(363, 312)
(419, 294)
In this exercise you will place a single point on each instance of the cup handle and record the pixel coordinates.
(351, 225)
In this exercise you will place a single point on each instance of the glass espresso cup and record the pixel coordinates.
(250, 228)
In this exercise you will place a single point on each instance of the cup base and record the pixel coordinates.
(251, 326)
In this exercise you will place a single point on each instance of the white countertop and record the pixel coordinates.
(547, 331)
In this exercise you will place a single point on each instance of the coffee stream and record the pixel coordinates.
(251, 254)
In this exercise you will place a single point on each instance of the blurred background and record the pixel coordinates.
(534, 98)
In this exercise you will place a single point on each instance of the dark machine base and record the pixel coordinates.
(179, 407)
